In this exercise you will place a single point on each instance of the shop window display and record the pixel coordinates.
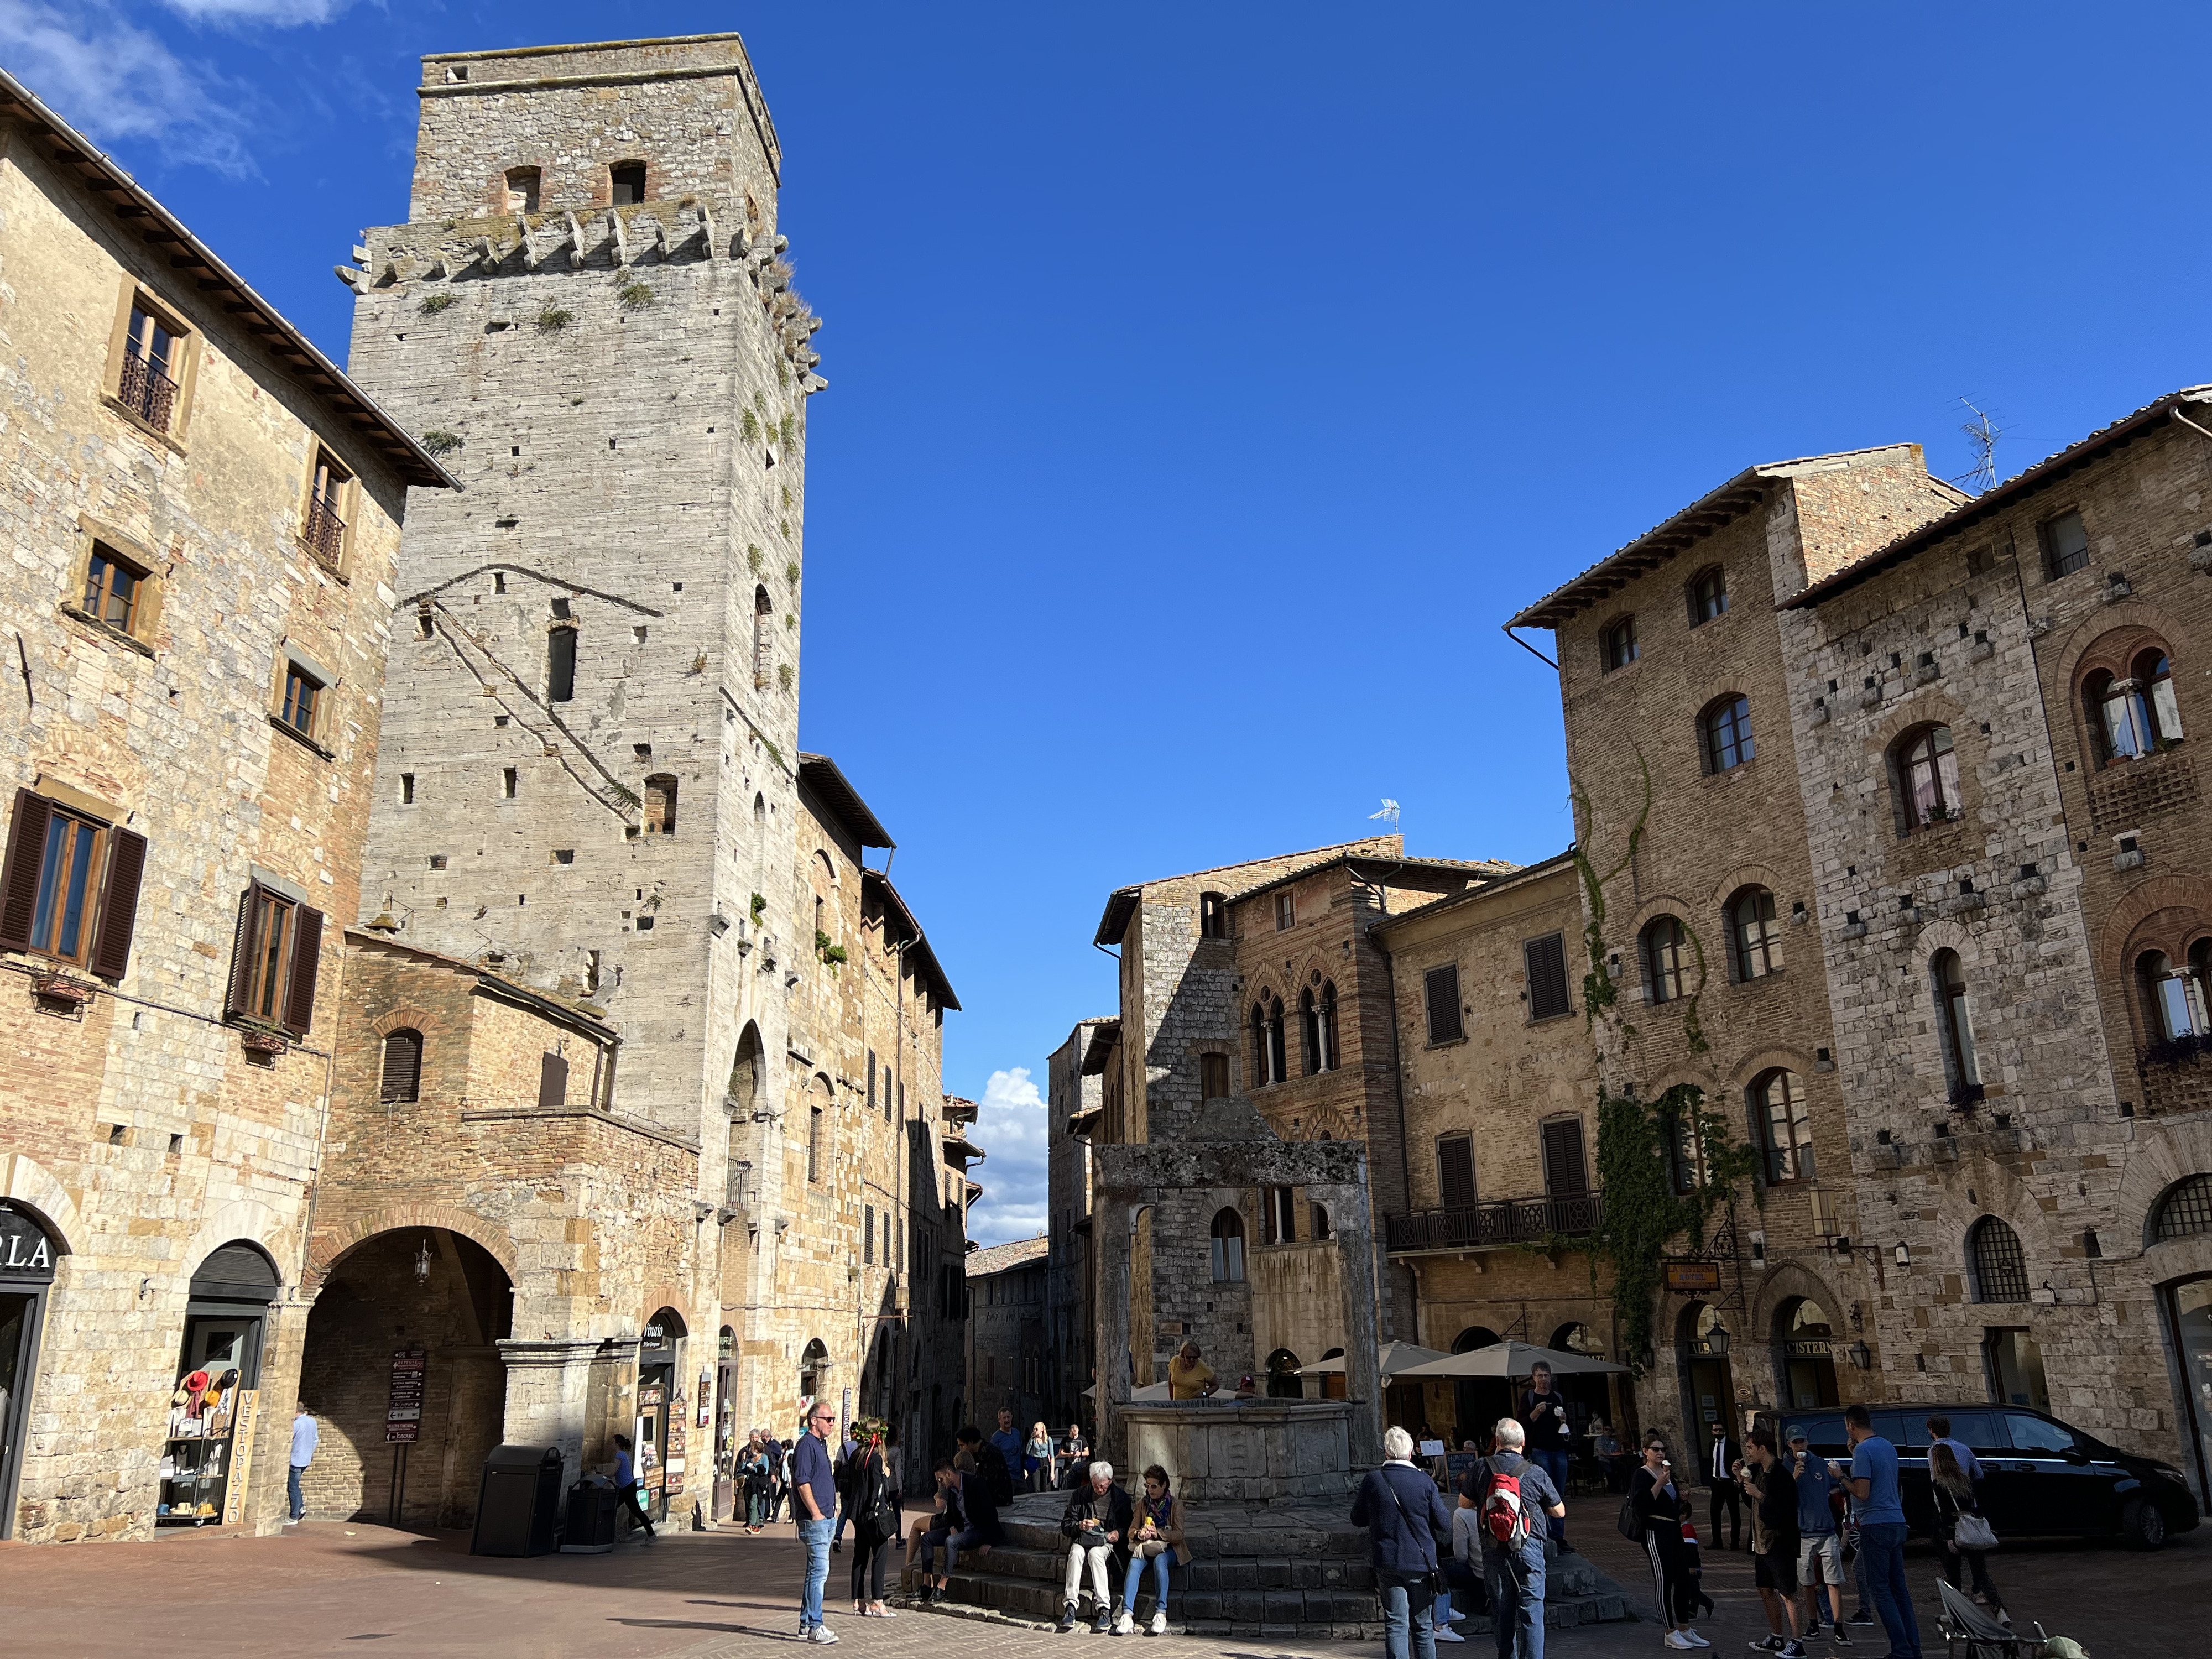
(206, 1466)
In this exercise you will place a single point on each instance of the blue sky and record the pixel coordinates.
(1207, 382)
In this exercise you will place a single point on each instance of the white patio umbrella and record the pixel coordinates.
(1150, 1391)
(1510, 1359)
(1396, 1359)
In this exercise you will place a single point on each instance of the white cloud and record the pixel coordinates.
(284, 13)
(1012, 1128)
(119, 83)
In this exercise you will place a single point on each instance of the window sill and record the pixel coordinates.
(1448, 1043)
(301, 738)
(1717, 778)
(335, 572)
(115, 405)
(1545, 1019)
(108, 631)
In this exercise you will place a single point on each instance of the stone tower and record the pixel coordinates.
(588, 780)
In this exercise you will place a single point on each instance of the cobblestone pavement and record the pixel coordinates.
(331, 1588)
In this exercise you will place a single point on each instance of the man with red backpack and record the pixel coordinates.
(1511, 1497)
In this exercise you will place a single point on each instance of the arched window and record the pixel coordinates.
(1685, 1151)
(1754, 936)
(1212, 916)
(1724, 733)
(762, 610)
(2185, 1212)
(2134, 716)
(1664, 943)
(747, 1077)
(1993, 1254)
(1619, 644)
(1228, 1247)
(1309, 1033)
(1785, 1125)
(2153, 672)
(1319, 1215)
(1283, 1381)
(1955, 1022)
(1708, 595)
(1331, 1055)
(561, 664)
(1928, 777)
(1277, 1062)
(403, 1066)
(2174, 997)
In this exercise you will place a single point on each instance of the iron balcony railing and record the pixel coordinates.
(325, 532)
(1485, 1226)
(146, 392)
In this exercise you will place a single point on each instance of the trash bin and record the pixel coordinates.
(594, 1519)
(518, 1511)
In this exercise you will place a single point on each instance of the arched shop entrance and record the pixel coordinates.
(207, 1458)
(661, 1403)
(27, 1255)
(403, 1372)
(1701, 1344)
(1804, 1363)
(1589, 1393)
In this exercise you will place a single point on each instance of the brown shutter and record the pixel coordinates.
(242, 949)
(402, 1067)
(552, 1083)
(19, 876)
(119, 903)
(306, 956)
(1441, 985)
(1565, 1176)
(1456, 1171)
(1546, 960)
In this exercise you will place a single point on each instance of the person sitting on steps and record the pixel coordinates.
(1095, 1524)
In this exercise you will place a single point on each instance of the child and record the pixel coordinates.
(1699, 1602)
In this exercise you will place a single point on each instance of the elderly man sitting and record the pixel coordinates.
(1096, 1527)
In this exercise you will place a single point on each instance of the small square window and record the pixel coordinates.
(2065, 545)
(116, 590)
(626, 182)
(1287, 912)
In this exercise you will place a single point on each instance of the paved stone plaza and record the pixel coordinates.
(341, 1587)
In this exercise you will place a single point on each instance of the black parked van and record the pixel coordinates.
(2039, 1477)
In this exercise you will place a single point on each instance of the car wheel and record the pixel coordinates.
(2142, 1523)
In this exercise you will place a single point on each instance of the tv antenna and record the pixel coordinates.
(1983, 434)
(1389, 811)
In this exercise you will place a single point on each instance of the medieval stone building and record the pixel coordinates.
(203, 514)
(1008, 1368)
(1074, 1107)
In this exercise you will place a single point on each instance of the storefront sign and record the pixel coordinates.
(1810, 1347)
(403, 1413)
(1691, 1275)
(244, 1421)
(26, 1252)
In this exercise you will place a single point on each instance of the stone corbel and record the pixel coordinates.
(707, 229)
(356, 280)
(615, 236)
(486, 255)
(576, 248)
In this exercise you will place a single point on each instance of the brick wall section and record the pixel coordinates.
(140, 1133)
(1070, 1095)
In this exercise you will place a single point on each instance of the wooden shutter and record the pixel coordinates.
(552, 1083)
(1546, 962)
(1456, 1171)
(307, 957)
(402, 1067)
(241, 951)
(1565, 1176)
(119, 903)
(1442, 985)
(19, 875)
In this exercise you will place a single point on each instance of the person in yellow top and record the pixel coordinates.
(1190, 1377)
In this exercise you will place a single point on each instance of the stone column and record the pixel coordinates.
(548, 1392)
(1363, 1378)
(1110, 1239)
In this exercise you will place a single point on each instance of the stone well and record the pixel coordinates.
(1252, 1450)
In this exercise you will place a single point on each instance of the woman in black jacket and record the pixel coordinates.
(1955, 1500)
(873, 1502)
(1661, 1507)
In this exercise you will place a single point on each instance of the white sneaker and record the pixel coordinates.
(1444, 1635)
(1694, 1639)
(1125, 1622)
(1159, 1625)
(822, 1634)
(1672, 1639)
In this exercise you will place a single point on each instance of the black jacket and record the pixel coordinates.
(1119, 1513)
(1777, 1507)
(1388, 1499)
(1729, 1452)
(1653, 1507)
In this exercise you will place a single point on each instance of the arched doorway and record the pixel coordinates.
(27, 1255)
(206, 1460)
(1283, 1381)
(814, 1368)
(727, 1436)
(660, 1403)
(1589, 1393)
(1804, 1363)
(1477, 1401)
(1701, 1344)
(402, 1373)
(2184, 1212)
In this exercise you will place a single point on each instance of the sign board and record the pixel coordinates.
(26, 1252)
(1458, 1466)
(243, 1427)
(1691, 1275)
(403, 1410)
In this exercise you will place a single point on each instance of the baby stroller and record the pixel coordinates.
(1969, 1632)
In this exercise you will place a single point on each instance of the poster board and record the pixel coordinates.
(245, 1425)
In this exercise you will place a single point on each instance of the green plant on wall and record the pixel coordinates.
(433, 303)
(748, 428)
(760, 908)
(554, 318)
(439, 441)
(791, 572)
(825, 952)
(635, 295)
(752, 558)
(784, 678)
(788, 426)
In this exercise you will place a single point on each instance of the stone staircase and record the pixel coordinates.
(1289, 1571)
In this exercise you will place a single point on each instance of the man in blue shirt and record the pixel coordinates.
(813, 1501)
(1008, 1442)
(1939, 1434)
(1881, 1531)
(1514, 1578)
(305, 1437)
(1819, 1551)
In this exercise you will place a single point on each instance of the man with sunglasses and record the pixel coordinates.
(814, 1501)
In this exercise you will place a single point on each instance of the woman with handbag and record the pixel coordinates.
(1962, 1535)
(1656, 1508)
(875, 1508)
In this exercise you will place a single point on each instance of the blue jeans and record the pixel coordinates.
(1516, 1600)
(1133, 1581)
(292, 1490)
(815, 1534)
(1881, 1546)
(1554, 1464)
(1407, 1604)
(951, 1542)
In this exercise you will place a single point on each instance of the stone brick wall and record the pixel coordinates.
(1071, 1095)
(137, 1130)
(1008, 1367)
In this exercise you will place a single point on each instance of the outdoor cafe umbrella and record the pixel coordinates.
(1507, 1359)
(1396, 1359)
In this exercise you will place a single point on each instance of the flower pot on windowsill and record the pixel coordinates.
(265, 1042)
(61, 990)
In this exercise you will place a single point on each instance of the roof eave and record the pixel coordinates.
(838, 794)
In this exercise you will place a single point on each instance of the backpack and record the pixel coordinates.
(1504, 1512)
(991, 1464)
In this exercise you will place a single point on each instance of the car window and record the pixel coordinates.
(1902, 1430)
(1977, 1431)
(2033, 1434)
(1824, 1434)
